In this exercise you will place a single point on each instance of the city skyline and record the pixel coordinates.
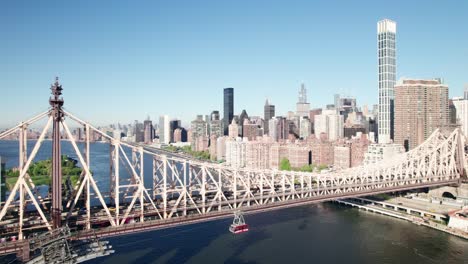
(137, 83)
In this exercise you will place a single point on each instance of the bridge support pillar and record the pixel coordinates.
(23, 254)
(57, 113)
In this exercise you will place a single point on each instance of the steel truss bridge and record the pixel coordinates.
(187, 191)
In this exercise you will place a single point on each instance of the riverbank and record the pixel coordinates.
(407, 214)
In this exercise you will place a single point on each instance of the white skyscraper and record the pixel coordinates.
(164, 129)
(304, 130)
(386, 39)
(461, 106)
(330, 123)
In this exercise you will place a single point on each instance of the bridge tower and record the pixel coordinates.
(56, 102)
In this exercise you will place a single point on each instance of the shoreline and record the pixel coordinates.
(407, 217)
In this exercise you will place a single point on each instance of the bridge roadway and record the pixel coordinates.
(216, 215)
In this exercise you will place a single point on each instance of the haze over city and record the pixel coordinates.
(124, 61)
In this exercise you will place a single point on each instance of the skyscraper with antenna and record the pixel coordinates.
(302, 106)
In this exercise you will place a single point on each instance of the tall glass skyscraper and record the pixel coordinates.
(386, 38)
(228, 108)
(268, 113)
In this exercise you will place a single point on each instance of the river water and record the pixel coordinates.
(322, 233)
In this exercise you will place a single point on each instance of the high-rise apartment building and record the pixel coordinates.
(461, 113)
(228, 108)
(242, 117)
(279, 129)
(329, 123)
(164, 130)
(304, 127)
(148, 131)
(174, 124)
(249, 130)
(386, 39)
(465, 93)
(180, 135)
(233, 129)
(139, 132)
(421, 106)
(269, 112)
(199, 128)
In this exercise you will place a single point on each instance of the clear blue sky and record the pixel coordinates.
(122, 61)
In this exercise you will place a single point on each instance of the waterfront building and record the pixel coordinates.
(330, 123)
(322, 151)
(421, 106)
(228, 108)
(277, 153)
(164, 130)
(298, 155)
(268, 113)
(302, 106)
(258, 153)
(342, 157)
(359, 146)
(386, 42)
(459, 220)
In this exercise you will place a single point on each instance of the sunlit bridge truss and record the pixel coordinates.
(183, 191)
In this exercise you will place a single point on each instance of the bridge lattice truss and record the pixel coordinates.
(187, 188)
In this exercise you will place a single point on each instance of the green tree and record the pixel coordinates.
(285, 165)
(307, 168)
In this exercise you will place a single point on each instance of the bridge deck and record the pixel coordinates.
(192, 219)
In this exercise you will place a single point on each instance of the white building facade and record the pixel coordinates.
(330, 123)
(164, 130)
(461, 107)
(386, 42)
